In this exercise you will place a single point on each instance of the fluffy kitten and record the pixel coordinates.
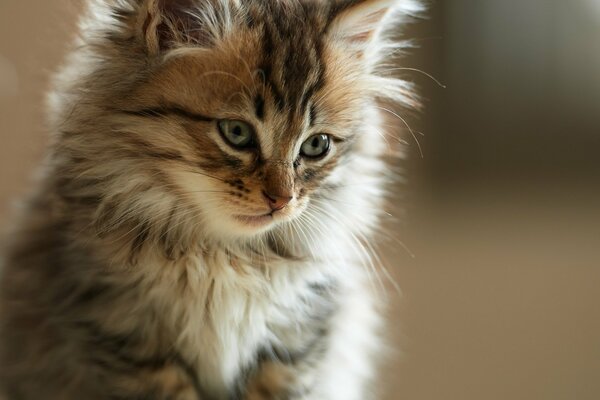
(199, 230)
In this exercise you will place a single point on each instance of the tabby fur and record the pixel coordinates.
(127, 276)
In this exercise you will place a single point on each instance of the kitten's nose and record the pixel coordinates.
(277, 202)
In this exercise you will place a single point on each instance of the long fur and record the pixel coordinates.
(127, 276)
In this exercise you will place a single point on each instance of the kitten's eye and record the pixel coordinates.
(238, 133)
(316, 146)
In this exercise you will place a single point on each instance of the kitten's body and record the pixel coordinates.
(128, 278)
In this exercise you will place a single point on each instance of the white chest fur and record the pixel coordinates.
(227, 314)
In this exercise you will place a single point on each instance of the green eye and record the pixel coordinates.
(237, 133)
(316, 146)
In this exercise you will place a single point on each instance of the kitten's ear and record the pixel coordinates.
(359, 21)
(163, 24)
(160, 24)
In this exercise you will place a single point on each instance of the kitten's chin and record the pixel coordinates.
(255, 221)
(242, 226)
(235, 226)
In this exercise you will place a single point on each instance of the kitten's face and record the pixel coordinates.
(233, 117)
(252, 127)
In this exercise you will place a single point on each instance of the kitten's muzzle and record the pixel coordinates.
(277, 202)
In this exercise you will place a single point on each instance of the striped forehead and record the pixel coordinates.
(291, 65)
(279, 137)
(291, 71)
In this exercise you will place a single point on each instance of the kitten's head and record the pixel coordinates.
(232, 114)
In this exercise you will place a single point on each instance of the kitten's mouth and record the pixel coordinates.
(255, 220)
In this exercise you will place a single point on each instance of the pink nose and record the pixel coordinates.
(277, 202)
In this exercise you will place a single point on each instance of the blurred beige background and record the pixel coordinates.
(501, 296)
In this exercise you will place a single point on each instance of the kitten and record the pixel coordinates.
(199, 232)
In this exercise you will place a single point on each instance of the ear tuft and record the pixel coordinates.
(359, 21)
(363, 29)
(162, 23)
(356, 21)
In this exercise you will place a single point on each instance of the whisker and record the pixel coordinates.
(364, 255)
(228, 74)
(437, 81)
(204, 174)
(317, 197)
(407, 126)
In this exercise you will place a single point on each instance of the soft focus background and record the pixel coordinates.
(501, 276)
